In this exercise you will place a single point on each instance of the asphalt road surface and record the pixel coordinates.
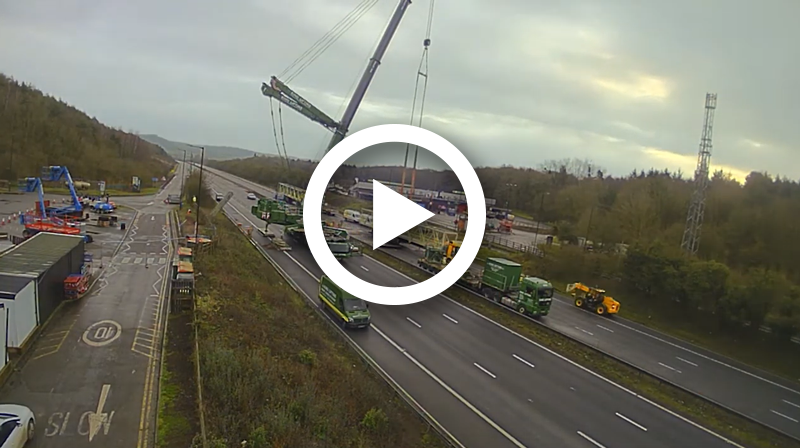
(766, 398)
(89, 377)
(487, 385)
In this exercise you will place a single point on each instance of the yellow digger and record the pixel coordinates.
(594, 299)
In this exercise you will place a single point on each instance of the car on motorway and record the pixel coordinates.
(17, 426)
(251, 196)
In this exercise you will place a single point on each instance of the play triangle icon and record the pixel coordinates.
(393, 215)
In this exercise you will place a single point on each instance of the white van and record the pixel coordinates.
(351, 216)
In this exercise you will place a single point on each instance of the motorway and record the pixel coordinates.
(91, 376)
(487, 385)
(764, 397)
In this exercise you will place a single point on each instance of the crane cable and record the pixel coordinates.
(422, 71)
(275, 131)
(323, 43)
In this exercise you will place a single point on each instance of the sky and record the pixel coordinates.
(513, 82)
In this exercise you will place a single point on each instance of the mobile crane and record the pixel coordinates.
(280, 91)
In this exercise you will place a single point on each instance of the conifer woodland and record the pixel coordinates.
(38, 130)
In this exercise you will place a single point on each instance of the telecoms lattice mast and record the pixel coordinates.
(697, 205)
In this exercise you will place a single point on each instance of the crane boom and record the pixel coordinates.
(280, 91)
(369, 74)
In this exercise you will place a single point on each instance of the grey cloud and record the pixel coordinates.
(191, 71)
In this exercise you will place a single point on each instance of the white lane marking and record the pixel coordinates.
(605, 328)
(523, 361)
(530, 341)
(362, 267)
(668, 367)
(575, 364)
(589, 333)
(484, 370)
(693, 352)
(595, 442)
(412, 321)
(791, 404)
(137, 261)
(686, 361)
(631, 421)
(784, 416)
(450, 318)
(452, 392)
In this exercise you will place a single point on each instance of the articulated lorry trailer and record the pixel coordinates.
(500, 280)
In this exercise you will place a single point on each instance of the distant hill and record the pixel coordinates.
(175, 149)
(38, 130)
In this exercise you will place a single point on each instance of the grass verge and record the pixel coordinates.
(177, 409)
(700, 411)
(274, 374)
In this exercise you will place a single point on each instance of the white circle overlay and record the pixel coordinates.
(394, 133)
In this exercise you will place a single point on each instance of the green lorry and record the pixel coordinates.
(350, 311)
(500, 280)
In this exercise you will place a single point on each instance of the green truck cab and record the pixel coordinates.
(533, 298)
(349, 310)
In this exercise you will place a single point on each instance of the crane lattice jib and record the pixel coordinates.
(296, 193)
(281, 92)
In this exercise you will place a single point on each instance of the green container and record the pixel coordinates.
(501, 274)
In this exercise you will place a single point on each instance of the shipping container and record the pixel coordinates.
(18, 296)
(48, 258)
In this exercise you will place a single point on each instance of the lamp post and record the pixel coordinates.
(199, 191)
(508, 196)
(183, 177)
(539, 218)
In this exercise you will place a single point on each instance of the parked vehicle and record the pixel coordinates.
(349, 310)
(251, 196)
(17, 426)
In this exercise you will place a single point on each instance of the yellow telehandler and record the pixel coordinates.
(591, 298)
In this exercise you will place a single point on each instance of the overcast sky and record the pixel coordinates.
(511, 81)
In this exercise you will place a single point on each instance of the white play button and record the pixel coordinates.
(392, 214)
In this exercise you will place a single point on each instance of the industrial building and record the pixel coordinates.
(430, 198)
(32, 278)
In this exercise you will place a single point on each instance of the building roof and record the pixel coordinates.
(10, 285)
(35, 255)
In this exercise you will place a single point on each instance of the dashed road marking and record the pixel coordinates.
(484, 370)
(450, 318)
(630, 421)
(587, 332)
(784, 416)
(791, 404)
(412, 321)
(669, 367)
(523, 361)
(605, 328)
(594, 442)
(686, 361)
